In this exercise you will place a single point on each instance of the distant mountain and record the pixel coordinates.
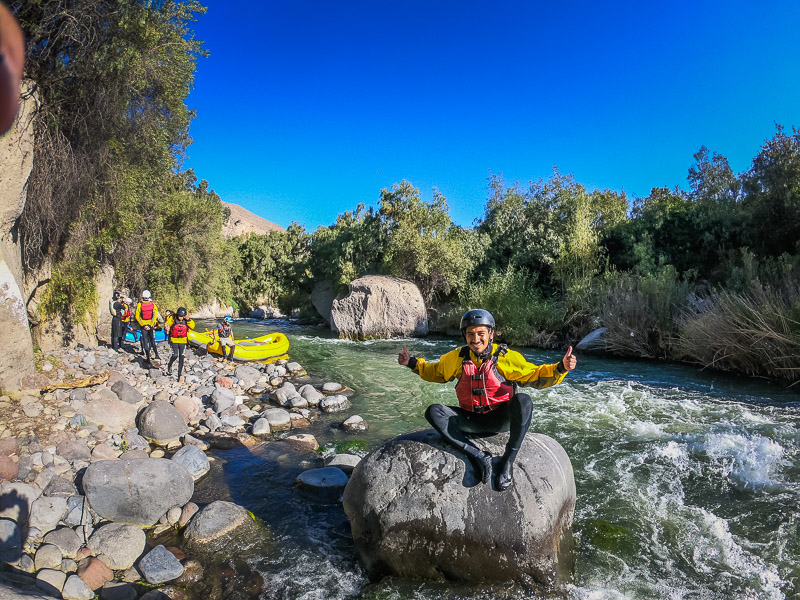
(243, 221)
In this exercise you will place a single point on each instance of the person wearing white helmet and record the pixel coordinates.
(225, 334)
(488, 399)
(147, 317)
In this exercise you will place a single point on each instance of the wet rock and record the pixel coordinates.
(345, 462)
(192, 574)
(217, 526)
(187, 512)
(312, 395)
(332, 387)
(122, 544)
(326, 484)
(355, 424)
(336, 403)
(161, 423)
(418, 509)
(136, 491)
(189, 440)
(278, 419)
(234, 421)
(193, 460)
(261, 427)
(160, 566)
(304, 440)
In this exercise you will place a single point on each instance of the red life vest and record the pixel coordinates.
(179, 329)
(126, 313)
(147, 310)
(481, 389)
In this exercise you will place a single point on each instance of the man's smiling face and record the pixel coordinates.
(478, 338)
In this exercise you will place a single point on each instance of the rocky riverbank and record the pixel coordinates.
(98, 471)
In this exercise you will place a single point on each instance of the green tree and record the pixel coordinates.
(273, 266)
(423, 244)
(772, 196)
(111, 78)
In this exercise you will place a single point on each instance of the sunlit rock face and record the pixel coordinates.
(378, 307)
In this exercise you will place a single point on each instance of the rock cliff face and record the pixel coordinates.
(16, 161)
(417, 509)
(379, 307)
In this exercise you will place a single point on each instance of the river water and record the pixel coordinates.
(688, 482)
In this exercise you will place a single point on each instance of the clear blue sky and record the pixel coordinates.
(307, 108)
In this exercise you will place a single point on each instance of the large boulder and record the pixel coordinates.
(377, 307)
(16, 161)
(418, 509)
(136, 491)
(161, 423)
(107, 411)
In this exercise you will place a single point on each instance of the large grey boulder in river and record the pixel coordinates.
(418, 509)
(377, 307)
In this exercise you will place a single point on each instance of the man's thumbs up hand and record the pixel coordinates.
(570, 361)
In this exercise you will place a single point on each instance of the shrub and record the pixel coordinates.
(640, 313)
(522, 315)
(756, 333)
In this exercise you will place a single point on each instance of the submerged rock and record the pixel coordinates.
(217, 526)
(418, 509)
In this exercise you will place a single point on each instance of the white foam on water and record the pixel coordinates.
(749, 461)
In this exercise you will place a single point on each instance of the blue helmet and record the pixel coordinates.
(228, 319)
(476, 316)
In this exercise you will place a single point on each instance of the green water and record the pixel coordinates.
(687, 481)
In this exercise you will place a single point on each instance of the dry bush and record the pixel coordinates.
(756, 333)
(639, 313)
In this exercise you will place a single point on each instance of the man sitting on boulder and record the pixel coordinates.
(489, 402)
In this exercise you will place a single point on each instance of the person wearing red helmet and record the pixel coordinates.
(488, 400)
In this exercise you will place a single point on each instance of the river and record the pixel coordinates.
(688, 481)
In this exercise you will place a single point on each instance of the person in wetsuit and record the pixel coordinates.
(117, 307)
(488, 399)
(178, 326)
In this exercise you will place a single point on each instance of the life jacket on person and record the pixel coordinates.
(225, 330)
(126, 313)
(147, 310)
(179, 329)
(481, 389)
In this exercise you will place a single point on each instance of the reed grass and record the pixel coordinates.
(757, 333)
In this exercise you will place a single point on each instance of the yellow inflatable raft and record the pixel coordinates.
(267, 348)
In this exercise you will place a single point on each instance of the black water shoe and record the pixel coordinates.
(506, 476)
(483, 464)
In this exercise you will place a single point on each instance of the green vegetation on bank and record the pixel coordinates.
(710, 276)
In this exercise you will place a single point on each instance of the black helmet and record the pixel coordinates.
(181, 312)
(476, 316)
(117, 295)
